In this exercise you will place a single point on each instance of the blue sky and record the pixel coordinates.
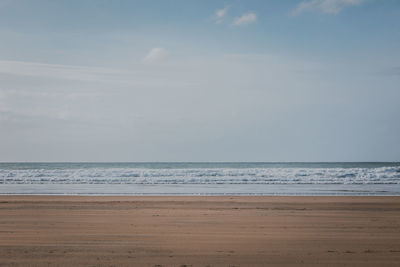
(311, 80)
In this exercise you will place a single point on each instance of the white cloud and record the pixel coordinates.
(325, 6)
(245, 19)
(155, 55)
(220, 13)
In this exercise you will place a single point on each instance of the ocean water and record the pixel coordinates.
(350, 178)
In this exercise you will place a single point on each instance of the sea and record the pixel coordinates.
(189, 178)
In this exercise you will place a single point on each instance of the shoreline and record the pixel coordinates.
(65, 230)
(202, 189)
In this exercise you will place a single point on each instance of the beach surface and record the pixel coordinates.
(199, 231)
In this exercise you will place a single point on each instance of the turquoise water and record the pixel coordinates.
(163, 178)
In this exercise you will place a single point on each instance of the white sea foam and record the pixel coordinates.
(100, 175)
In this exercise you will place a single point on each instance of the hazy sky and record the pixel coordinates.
(312, 80)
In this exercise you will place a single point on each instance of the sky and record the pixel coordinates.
(185, 80)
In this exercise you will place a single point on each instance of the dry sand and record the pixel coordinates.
(199, 231)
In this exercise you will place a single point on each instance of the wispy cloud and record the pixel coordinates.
(156, 54)
(247, 18)
(4, 3)
(19, 73)
(220, 14)
(393, 71)
(324, 6)
(56, 71)
(396, 71)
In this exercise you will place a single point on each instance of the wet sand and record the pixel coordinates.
(199, 231)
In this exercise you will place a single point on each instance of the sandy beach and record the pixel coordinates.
(199, 231)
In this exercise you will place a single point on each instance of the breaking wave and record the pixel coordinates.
(106, 175)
